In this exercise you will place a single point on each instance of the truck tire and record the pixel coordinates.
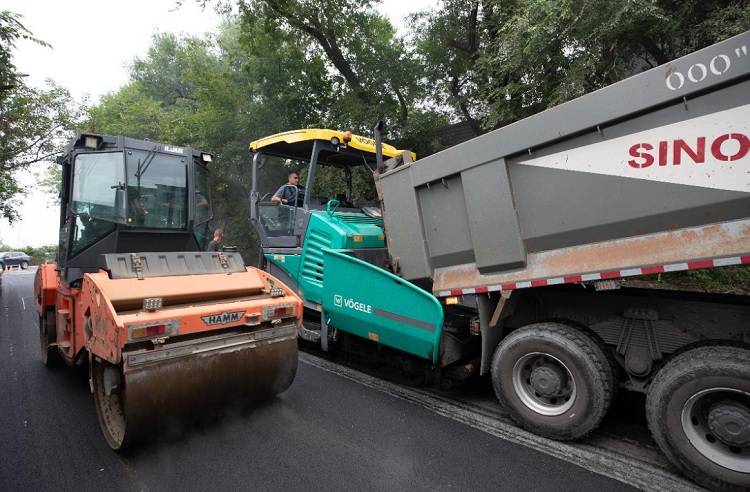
(698, 410)
(47, 339)
(554, 380)
(24, 265)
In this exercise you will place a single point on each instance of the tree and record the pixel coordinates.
(33, 122)
(198, 92)
(449, 40)
(11, 30)
(494, 62)
(372, 74)
(543, 52)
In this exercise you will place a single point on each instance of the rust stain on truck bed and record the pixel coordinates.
(682, 245)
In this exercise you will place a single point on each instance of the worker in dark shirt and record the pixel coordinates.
(287, 193)
(215, 244)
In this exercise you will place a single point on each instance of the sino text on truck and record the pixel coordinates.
(504, 254)
(165, 328)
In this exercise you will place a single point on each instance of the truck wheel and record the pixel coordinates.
(47, 339)
(554, 380)
(698, 410)
(24, 265)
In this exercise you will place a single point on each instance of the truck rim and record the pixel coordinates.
(716, 421)
(544, 384)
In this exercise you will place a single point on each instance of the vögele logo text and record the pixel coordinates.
(349, 303)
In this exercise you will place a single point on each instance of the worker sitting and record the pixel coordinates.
(291, 193)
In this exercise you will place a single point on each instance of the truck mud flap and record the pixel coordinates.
(367, 301)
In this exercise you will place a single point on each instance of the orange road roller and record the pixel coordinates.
(166, 327)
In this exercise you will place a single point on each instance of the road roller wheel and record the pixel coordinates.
(47, 338)
(554, 380)
(109, 398)
(698, 410)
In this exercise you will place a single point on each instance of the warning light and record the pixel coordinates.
(152, 303)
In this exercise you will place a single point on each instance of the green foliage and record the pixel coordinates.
(725, 280)
(11, 30)
(494, 62)
(729, 280)
(362, 71)
(189, 91)
(34, 123)
(545, 52)
(448, 41)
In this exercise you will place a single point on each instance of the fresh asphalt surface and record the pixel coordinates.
(326, 433)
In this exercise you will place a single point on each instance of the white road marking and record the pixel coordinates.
(24, 304)
(626, 469)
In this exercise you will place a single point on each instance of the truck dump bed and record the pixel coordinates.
(649, 174)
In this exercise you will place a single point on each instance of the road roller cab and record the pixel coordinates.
(165, 326)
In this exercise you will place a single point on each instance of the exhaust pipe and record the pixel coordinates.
(379, 146)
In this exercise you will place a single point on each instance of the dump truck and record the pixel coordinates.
(524, 254)
(165, 327)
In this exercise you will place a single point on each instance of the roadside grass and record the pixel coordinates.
(724, 280)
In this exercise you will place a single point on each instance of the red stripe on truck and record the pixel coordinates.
(650, 270)
(609, 275)
(613, 274)
(696, 265)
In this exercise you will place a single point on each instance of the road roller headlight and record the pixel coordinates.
(152, 303)
(277, 312)
(277, 292)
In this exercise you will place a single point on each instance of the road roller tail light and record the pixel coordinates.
(158, 329)
(277, 312)
(148, 331)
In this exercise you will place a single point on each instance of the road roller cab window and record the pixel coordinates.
(203, 210)
(126, 195)
(156, 190)
(98, 196)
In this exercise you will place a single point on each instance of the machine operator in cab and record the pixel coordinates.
(290, 192)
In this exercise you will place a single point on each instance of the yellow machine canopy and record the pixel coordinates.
(298, 145)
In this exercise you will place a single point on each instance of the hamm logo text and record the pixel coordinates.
(223, 318)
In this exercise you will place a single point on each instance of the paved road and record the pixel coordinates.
(326, 432)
